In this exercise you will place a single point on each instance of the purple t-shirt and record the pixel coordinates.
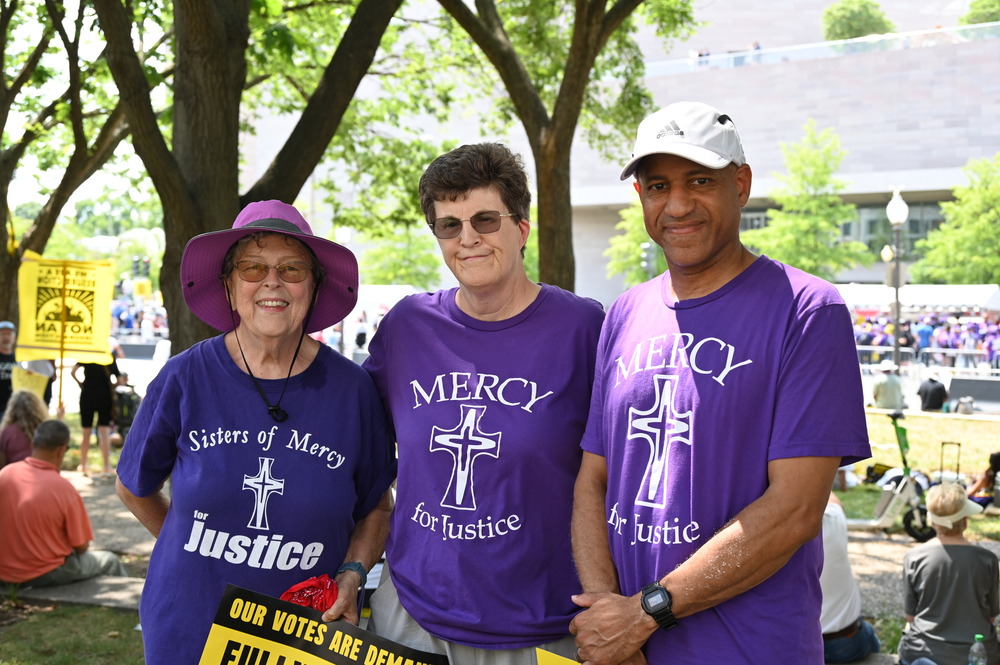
(691, 401)
(488, 418)
(255, 503)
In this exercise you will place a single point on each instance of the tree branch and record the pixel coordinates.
(9, 93)
(82, 165)
(319, 121)
(591, 31)
(487, 31)
(619, 11)
(72, 47)
(133, 91)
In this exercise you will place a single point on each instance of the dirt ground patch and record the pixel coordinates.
(12, 611)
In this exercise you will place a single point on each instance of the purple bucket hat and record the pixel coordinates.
(201, 267)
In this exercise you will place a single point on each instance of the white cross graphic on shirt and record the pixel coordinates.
(660, 426)
(263, 486)
(465, 442)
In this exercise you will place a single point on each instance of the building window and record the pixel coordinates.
(924, 218)
(847, 231)
(872, 227)
(875, 230)
(755, 219)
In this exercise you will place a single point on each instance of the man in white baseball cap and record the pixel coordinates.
(714, 435)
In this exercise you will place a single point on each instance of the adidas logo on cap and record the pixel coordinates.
(673, 129)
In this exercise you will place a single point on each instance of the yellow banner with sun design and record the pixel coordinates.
(65, 309)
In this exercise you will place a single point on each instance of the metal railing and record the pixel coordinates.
(770, 56)
(957, 360)
(945, 363)
(868, 356)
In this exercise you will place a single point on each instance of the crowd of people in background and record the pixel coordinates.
(975, 341)
(149, 322)
(961, 343)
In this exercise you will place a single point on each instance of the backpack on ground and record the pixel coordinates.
(127, 402)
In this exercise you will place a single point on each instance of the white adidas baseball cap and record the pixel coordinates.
(692, 130)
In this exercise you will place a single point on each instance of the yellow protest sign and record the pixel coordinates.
(142, 287)
(549, 658)
(65, 309)
(253, 628)
(22, 379)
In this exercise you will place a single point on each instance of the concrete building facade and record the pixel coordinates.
(910, 114)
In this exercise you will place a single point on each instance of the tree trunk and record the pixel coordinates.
(550, 134)
(321, 117)
(556, 262)
(212, 37)
(9, 261)
(8, 278)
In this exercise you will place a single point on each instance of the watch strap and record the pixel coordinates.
(356, 567)
(663, 616)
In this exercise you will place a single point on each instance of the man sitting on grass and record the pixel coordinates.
(45, 526)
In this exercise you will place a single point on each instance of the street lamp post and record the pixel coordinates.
(897, 211)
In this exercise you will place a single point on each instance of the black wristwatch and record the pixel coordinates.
(656, 602)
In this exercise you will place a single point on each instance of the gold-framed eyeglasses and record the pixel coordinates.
(487, 221)
(255, 271)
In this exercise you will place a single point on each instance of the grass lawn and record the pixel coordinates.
(69, 635)
(44, 634)
(978, 438)
(72, 459)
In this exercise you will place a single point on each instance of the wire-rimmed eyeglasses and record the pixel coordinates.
(255, 271)
(487, 221)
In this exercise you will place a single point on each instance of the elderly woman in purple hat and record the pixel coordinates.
(276, 447)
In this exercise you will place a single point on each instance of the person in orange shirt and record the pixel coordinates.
(45, 526)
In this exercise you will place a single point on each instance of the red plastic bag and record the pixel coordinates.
(318, 593)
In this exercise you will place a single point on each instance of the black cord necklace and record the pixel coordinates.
(274, 410)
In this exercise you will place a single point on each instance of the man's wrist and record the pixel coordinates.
(647, 622)
(356, 568)
(657, 603)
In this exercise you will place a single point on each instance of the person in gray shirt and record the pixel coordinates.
(951, 587)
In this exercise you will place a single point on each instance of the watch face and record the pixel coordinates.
(656, 600)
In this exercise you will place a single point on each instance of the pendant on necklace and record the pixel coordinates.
(278, 413)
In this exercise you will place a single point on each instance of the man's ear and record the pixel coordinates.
(743, 177)
(638, 188)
